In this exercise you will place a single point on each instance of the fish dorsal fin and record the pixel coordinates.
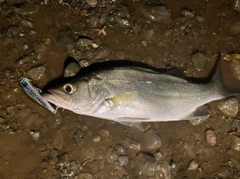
(121, 99)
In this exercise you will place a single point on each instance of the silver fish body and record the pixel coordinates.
(133, 95)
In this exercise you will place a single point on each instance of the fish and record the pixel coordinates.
(35, 94)
(134, 94)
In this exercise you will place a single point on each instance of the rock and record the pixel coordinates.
(94, 21)
(146, 163)
(193, 165)
(103, 15)
(84, 42)
(96, 139)
(111, 155)
(120, 150)
(200, 19)
(210, 137)
(79, 137)
(36, 73)
(25, 8)
(123, 160)
(199, 120)
(149, 34)
(122, 21)
(132, 144)
(151, 140)
(71, 69)
(85, 176)
(229, 106)
(120, 55)
(40, 50)
(92, 3)
(53, 153)
(4, 5)
(13, 31)
(234, 27)
(44, 153)
(236, 5)
(104, 133)
(58, 139)
(101, 53)
(236, 143)
(66, 38)
(28, 23)
(144, 43)
(156, 13)
(187, 13)
(83, 63)
(200, 60)
(35, 135)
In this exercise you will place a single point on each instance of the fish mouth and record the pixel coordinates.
(58, 98)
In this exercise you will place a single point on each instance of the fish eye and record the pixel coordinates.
(69, 88)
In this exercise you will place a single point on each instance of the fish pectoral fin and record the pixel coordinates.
(200, 112)
(137, 125)
(122, 99)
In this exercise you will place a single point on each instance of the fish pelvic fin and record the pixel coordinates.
(227, 76)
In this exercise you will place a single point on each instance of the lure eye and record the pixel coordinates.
(69, 88)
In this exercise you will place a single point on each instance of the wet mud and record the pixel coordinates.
(38, 36)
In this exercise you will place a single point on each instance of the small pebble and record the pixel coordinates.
(66, 38)
(210, 137)
(156, 13)
(123, 160)
(94, 21)
(132, 144)
(84, 42)
(35, 135)
(120, 150)
(236, 5)
(97, 139)
(92, 3)
(146, 163)
(236, 143)
(104, 133)
(234, 27)
(44, 153)
(36, 73)
(229, 106)
(49, 146)
(151, 140)
(58, 139)
(193, 165)
(54, 153)
(144, 43)
(200, 60)
(111, 155)
(121, 55)
(187, 13)
(71, 69)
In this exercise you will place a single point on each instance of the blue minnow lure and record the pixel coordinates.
(34, 94)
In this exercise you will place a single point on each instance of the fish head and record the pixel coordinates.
(73, 95)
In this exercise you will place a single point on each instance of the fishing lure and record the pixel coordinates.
(35, 94)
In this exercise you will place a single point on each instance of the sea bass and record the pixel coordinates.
(131, 94)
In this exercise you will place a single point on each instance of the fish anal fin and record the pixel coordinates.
(200, 112)
(137, 125)
(122, 99)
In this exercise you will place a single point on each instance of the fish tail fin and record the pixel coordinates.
(227, 78)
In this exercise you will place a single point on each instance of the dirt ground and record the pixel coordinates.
(38, 36)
